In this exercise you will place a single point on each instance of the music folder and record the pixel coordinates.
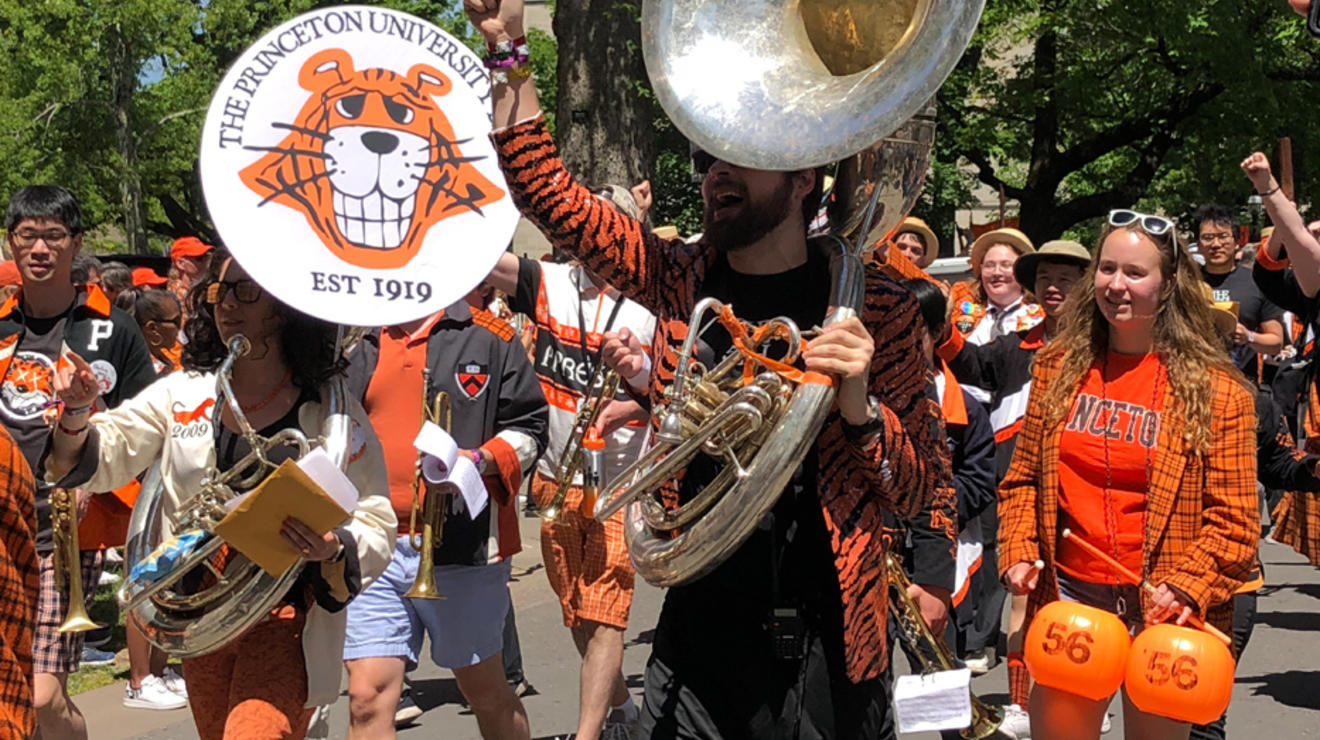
(253, 527)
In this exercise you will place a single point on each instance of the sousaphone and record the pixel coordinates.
(780, 85)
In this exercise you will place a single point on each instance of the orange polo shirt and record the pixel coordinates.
(1105, 456)
(394, 403)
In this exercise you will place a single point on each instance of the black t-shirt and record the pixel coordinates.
(231, 448)
(26, 396)
(714, 629)
(1253, 309)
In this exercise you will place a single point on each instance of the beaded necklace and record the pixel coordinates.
(1111, 524)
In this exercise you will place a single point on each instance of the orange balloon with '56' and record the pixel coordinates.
(1180, 673)
(1077, 648)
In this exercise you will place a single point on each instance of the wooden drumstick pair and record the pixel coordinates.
(1136, 580)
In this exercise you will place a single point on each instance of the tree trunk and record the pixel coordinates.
(123, 83)
(603, 125)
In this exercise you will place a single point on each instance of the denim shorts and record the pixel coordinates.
(466, 627)
(1123, 601)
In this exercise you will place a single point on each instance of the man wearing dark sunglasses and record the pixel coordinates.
(1260, 321)
(46, 319)
(786, 636)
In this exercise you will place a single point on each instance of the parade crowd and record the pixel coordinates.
(1149, 394)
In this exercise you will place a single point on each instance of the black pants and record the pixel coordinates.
(984, 630)
(1244, 619)
(811, 700)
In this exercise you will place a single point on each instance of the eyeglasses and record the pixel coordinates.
(245, 291)
(1225, 237)
(53, 237)
(175, 320)
(1153, 225)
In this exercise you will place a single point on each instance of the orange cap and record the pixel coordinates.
(188, 246)
(146, 277)
(9, 273)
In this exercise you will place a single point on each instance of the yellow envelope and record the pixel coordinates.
(253, 527)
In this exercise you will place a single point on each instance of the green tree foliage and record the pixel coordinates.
(1075, 107)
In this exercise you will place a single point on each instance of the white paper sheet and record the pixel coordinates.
(322, 470)
(441, 452)
(935, 701)
(470, 485)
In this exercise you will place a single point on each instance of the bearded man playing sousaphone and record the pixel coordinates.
(713, 670)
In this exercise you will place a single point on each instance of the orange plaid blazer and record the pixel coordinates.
(1297, 516)
(1202, 515)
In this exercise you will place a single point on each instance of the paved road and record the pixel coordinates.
(1277, 695)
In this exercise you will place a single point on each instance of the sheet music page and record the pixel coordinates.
(935, 701)
(441, 452)
(470, 485)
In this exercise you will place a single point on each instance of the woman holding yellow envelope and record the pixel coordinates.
(265, 682)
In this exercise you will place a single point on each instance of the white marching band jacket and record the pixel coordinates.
(171, 421)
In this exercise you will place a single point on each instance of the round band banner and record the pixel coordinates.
(347, 166)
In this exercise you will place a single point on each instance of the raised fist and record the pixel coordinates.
(497, 20)
(1257, 167)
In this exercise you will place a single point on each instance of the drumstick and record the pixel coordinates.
(1137, 580)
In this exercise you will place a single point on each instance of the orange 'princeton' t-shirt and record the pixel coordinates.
(1105, 454)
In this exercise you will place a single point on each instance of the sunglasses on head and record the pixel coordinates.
(1153, 225)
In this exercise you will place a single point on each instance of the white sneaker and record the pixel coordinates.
(174, 682)
(1016, 724)
(108, 579)
(1105, 726)
(152, 695)
(979, 664)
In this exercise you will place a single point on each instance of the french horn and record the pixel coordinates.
(800, 84)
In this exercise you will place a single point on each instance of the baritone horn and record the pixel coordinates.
(858, 75)
(67, 562)
(603, 386)
(431, 503)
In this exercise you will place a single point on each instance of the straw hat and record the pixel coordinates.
(1012, 238)
(1060, 250)
(1225, 312)
(913, 225)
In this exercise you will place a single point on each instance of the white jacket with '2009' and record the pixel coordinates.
(171, 421)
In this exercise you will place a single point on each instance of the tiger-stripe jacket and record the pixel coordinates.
(904, 468)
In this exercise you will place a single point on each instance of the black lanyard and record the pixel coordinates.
(582, 325)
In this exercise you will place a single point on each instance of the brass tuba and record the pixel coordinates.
(802, 84)
(187, 623)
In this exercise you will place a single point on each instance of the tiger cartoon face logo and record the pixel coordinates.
(28, 386)
(371, 161)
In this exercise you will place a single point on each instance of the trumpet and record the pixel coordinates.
(67, 564)
(432, 505)
(913, 630)
(603, 386)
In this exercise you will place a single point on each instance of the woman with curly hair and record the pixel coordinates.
(1139, 437)
(265, 682)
